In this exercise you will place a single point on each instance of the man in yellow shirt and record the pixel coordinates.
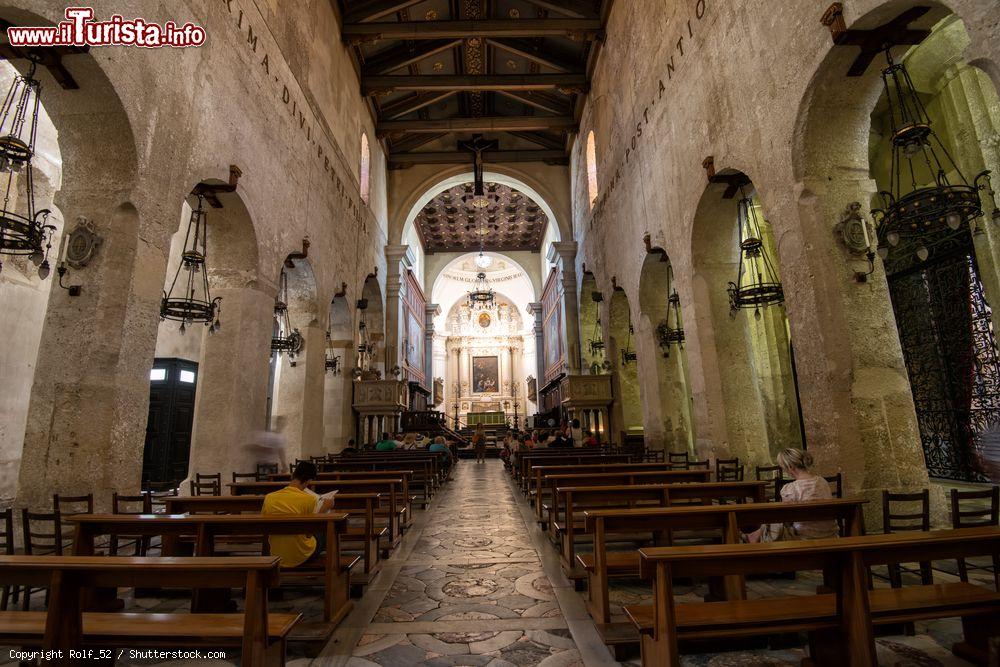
(294, 550)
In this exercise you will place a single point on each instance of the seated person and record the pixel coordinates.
(807, 485)
(409, 441)
(439, 445)
(589, 440)
(296, 499)
(352, 447)
(561, 440)
(386, 444)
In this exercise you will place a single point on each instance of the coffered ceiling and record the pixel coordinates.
(512, 221)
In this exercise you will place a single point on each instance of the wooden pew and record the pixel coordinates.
(565, 457)
(209, 529)
(422, 480)
(535, 485)
(406, 475)
(566, 522)
(65, 625)
(840, 624)
(550, 477)
(395, 509)
(728, 521)
(363, 532)
(400, 457)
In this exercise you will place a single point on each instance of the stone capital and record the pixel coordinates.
(396, 256)
(564, 251)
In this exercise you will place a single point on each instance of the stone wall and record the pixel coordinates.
(272, 91)
(764, 92)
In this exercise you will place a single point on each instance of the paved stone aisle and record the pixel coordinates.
(472, 584)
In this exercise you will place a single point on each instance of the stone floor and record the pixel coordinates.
(475, 582)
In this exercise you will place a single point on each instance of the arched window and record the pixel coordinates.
(366, 168)
(592, 188)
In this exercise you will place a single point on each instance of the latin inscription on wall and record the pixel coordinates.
(286, 97)
(654, 91)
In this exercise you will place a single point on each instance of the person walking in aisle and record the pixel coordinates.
(479, 443)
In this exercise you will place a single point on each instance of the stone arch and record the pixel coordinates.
(591, 327)
(298, 385)
(749, 399)
(539, 191)
(25, 295)
(75, 439)
(621, 339)
(235, 359)
(832, 152)
(374, 320)
(338, 411)
(665, 377)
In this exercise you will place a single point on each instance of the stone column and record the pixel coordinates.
(89, 403)
(231, 402)
(299, 405)
(845, 337)
(398, 259)
(564, 256)
(535, 309)
(338, 412)
(464, 368)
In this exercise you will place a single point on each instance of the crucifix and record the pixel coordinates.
(477, 147)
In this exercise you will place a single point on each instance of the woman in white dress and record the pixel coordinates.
(806, 485)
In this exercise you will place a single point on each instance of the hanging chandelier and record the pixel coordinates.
(628, 355)
(332, 360)
(26, 233)
(671, 330)
(483, 261)
(193, 300)
(284, 338)
(922, 204)
(597, 337)
(757, 283)
(483, 297)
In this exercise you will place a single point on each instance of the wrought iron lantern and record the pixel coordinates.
(596, 338)
(189, 300)
(284, 338)
(628, 355)
(922, 204)
(332, 360)
(332, 363)
(483, 297)
(757, 283)
(671, 330)
(25, 233)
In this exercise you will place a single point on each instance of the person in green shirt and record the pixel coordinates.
(386, 444)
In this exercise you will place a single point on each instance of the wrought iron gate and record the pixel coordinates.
(946, 332)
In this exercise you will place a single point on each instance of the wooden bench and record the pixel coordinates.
(422, 479)
(536, 484)
(839, 624)
(565, 457)
(210, 529)
(567, 523)
(406, 458)
(395, 508)
(66, 625)
(406, 475)
(363, 533)
(617, 475)
(728, 522)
